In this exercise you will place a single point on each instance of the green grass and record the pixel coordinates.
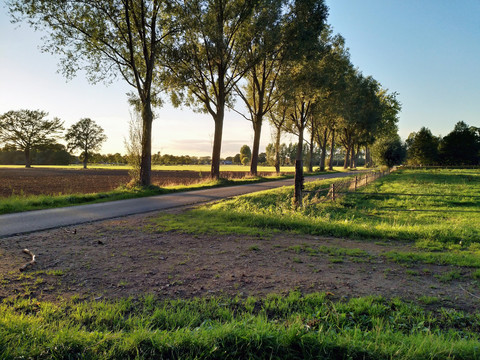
(433, 222)
(465, 258)
(291, 327)
(335, 254)
(449, 276)
(428, 300)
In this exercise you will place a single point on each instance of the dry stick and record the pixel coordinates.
(469, 293)
(31, 262)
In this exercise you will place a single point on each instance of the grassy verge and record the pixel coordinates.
(440, 212)
(291, 327)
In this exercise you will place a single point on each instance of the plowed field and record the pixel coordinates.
(51, 181)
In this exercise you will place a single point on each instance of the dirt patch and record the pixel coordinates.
(119, 258)
(48, 181)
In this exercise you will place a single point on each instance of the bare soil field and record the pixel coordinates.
(49, 181)
(125, 258)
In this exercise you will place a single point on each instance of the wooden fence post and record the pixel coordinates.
(366, 179)
(356, 182)
(332, 190)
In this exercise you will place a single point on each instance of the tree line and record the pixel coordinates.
(31, 133)
(279, 57)
(459, 147)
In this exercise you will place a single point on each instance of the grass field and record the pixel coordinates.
(437, 211)
(292, 327)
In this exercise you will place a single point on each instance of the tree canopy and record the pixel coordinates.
(279, 56)
(423, 148)
(85, 135)
(107, 39)
(461, 146)
(245, 154)
(29, 129)
(389, 151)
(210, 56)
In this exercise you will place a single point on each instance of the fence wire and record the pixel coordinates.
(345, 186)
(342, 187)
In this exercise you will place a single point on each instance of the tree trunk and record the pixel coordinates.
(217, 144)
(332, 151)
(257, 130)
(299, 169)
(27, 157)
(310, 160)
(277, 150)
(357, 155)
(85, 158)
(353, 164)
(146, 157)
(346, 162)
(368, 157)
(323, 155)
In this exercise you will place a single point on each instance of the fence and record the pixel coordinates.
(427, 167)
(341, 187)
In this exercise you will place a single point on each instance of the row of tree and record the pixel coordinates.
(278, 56)
(167, 159)
(54, 154)
(460, 147)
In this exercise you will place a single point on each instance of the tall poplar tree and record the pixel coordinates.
(299, 79)
(258, 93)
(106, 39)
(210, 57)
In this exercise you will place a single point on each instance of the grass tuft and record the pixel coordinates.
(281, 327)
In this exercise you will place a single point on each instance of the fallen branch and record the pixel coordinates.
(31, 262)
(469, 293)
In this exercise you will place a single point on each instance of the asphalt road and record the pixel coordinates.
(31, 221)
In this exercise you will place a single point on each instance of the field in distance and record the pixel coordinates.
(55, 180)
(202, 168)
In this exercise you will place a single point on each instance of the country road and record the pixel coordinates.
(31, 221)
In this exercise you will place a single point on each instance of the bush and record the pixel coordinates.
(389, 152)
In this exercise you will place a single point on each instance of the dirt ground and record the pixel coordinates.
(122, 257)
(52, 181)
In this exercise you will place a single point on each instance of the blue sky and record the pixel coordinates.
(426, 50)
